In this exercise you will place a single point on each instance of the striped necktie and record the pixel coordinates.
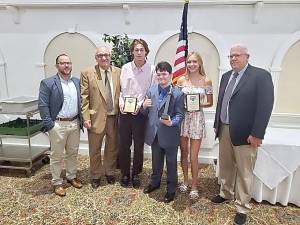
(226, 98)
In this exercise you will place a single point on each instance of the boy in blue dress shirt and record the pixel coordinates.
(163, 128)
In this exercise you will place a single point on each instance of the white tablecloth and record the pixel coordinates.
(277, 169)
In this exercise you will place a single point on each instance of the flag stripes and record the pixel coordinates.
(182, 47)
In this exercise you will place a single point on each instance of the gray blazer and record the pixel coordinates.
(51, 100)
(167, 136)
(250, 106)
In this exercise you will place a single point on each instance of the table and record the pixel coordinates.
(277, 169)
(14, 156)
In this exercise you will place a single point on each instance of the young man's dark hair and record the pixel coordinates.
(163, 66)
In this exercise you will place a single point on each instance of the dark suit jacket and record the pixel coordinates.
(167, 136)
(250, 106)
(51, 99)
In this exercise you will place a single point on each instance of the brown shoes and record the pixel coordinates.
(59, 190)
(75, 183)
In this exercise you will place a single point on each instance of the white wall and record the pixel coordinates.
(23, 45)
(27, 29)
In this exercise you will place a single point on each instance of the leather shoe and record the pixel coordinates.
(169, 197)
(219, 199)
(124, 181)
(136, 183)
(240, 218)
(59, 190)
(149, 189)
(75, 183)
(95, 183)
(110, 179)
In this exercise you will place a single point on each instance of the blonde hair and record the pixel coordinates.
(200, 62)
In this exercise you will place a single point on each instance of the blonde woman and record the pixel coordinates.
(195, 81)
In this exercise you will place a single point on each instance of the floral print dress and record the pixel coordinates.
(193, 125)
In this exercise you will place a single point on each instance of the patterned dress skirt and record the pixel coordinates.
(193, 125)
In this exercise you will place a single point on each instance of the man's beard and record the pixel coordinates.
(65, 73)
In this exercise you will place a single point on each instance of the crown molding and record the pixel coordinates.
(120, 3)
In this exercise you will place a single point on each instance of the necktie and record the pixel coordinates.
(109, 101)
(226, 99)
(162, 95)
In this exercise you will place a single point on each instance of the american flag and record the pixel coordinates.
(182, 47)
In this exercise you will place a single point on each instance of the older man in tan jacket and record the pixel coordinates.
(100, 90)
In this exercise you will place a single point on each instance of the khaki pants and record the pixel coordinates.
(236, 164)
(108, 167)
(65, 135)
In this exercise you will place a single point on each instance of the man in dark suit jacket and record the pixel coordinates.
(59, 106)
(163, 134)
(245, 103)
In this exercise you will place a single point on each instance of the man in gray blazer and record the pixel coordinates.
(163, 133)
(59, 106)
(245, 103)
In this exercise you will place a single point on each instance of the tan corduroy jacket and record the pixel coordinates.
(93, 104)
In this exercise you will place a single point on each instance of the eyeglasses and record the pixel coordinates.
(235, 56)
(102, 55)
(64, 63)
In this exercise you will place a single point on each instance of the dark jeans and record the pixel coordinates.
(131, 128)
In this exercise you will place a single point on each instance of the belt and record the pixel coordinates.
(67, 119)
(225, 124)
